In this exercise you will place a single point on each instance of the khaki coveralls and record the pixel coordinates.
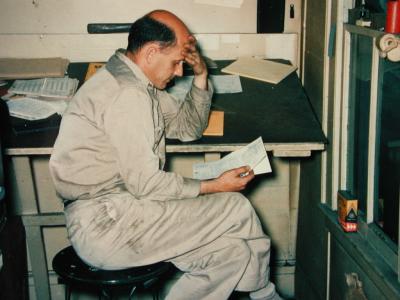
(126, 211)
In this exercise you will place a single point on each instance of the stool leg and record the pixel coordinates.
(156, 295)
(105, 294)
(67, 292)
(133, 289)
(156, 292)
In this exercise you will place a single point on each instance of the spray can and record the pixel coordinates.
(393, 16)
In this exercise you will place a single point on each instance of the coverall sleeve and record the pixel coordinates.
(187, 120)
(129, 125)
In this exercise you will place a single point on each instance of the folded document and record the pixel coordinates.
(252, 155)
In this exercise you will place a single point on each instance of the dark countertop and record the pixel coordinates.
(281, 114)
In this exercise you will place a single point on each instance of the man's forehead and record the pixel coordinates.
(183, 38)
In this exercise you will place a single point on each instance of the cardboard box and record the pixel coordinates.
(347, 211)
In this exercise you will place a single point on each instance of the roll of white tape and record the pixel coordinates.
(387, 42)
(389, 46)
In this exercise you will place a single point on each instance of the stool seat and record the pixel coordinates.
(73, 270)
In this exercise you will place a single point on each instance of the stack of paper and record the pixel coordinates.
(40, 98)
(34, 109)
(260, 69)
(252, 155)
(60, 88)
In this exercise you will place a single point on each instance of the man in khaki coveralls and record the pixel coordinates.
(122, 209)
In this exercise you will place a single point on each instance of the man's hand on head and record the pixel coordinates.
(194, 59)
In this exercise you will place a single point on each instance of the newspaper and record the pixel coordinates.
(35, 109)
(46, 87)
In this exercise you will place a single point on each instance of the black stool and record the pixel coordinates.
(74, 271)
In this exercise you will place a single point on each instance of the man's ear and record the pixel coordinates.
(151, 51)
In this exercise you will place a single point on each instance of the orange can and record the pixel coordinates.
(347, 211)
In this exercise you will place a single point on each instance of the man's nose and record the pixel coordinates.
(179, 70)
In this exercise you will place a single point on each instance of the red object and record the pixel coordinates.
(393, 16)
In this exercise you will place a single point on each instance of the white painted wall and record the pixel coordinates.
(72, 16)
(54, 28)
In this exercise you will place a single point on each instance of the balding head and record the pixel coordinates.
(157, 43)
(173, 22)
(159, 26)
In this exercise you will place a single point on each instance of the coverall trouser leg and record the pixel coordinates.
(216, 239)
